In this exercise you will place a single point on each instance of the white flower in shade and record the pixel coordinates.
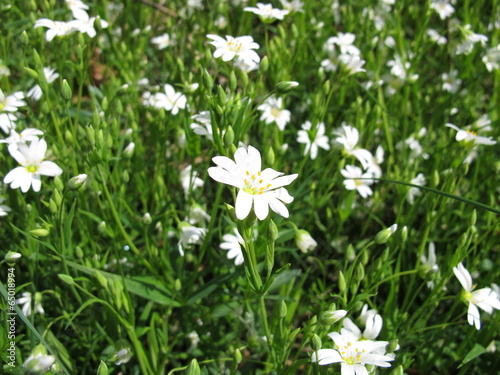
(55, 28)
(332, 316)
(229, 48)
(32, 166)
(189, 236)
(304, 241)
(375, 162)
(190, 180)
(451, 82)
(27, 135)
(4, 210)
(345, 42)
(162, 41)
(471, 38)
(429, 264)
(348, 136)
(293, 6)
(245, 65)
(357, 180)
(443, 8)
(7, 122)
(414, 192)
(470, 137)
(352, 64)
(272, 111)
(205, 128)
(12, 102)
(332, 62)
(170, 100)
(436, 37)
(38, 364)
(351, 354)
(492, 58)
(257, 188)
(4, 70)
(232, 243)
(485, 298)
(319, 139)
(197, 215)
(77, 7)
(267, 13)
(35, 92)
(26, 301)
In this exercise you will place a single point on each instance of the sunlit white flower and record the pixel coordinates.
(413, 191)
(436, 37)
(320, 139)
(267, 13)
(85, 24)
(162, 41)
(32, 166)
(373, 326)
(470, 137)
(357, 180)
(332, 316)
(170, 100)
(189, 236)
(492, 58)
(35, 92)
(229, 48)
(7, 122)
(486, 299)
(27, 135)
(232, 243)
(348, 136)
(77, 7)
(332, 62)
(352, 63)
(375, 162)
(257, 188)
(304, 241)
(12, 102)
(55, 28)
(39, 364)
(352, 355)
(272, 111)
(451, 82)
(443, 8)
(26, 301)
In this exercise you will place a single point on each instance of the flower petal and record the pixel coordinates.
(261, 206)
(243, 204)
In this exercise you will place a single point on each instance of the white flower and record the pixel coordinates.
(7, 122)
(35, 92)
(12, 102)
(272, 112)
(451, 82)
(373, 326)
(205, 128)
(85, 24)
(189, 236)
(320, 139)
(162, 41)
(413, 192)
(233, 243)
(32, 166)
(429, 263)
(4, 210)
(485, 298)
(26, 300)
(190, 181)
(492, 58)
(170, 100)
(260, 189)
(229, 48)
(197, 215)
(352, 63)
(27, 135)
(345, 43)
(443, 8)
(246, 65)
(293, 6)
(469, 136)
(436, 37)
(267, 13)
(375, 162)
(357, 180)
(55, 28)
(39, 364)
(304, 241)
(77, 7)
(348, 136)
(471, 38)
(352, 355)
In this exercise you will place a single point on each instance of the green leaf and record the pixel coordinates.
(209, 288)
(475, 352)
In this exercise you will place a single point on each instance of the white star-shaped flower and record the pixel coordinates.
(229, 48)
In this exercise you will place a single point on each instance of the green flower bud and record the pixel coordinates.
(270, 155)
(326, 87)
(229, 136)
(67, 279)
(177, 285)
(233, 83)
(473, 218)
(146, 219)
(384, 235)
(231, 213)
(101, 279)
(193, 368)
(208, 81)
(342, 283)
(360, 272)
(102, 369)
(23, 39)
(12, 257)
(397, 371)
(31, 72)
(285, 87)
(316, 342)
(56, 368)
(272, 231)
(77, 182)
(38, 60)
(264, 64)
(435, 178)
(79, 252)
(66, 91)
(404, 234)
(283, 309)
(332, 316)
(237, 356)
(221, 94)
(393, 345)
(40, 232)
(101, 227)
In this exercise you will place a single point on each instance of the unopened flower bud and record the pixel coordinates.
(473, 218)
(233, 83)
(231, 213)
(129, 150)
(101, 227)
(66, 278)
(404, 234)
(12, 257)
(208, 81)
(102, 369)
(229, 136)
(304, 241)
(193, 368)
(77, 182)
(237, 356)
(285, 87)
(283, 309)
(40, 232)
(146, 219)
(66, 91)
(23, 39)
(272, 231)
(384, 235)
(342, 283)
(270, 155)
(327, 318)
(264, 64)
(316, 342)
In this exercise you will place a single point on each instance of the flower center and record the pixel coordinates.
(276, 112)
(2, 104)
(254, 184)
(234, 45)
(32, 168)
(474, 134)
